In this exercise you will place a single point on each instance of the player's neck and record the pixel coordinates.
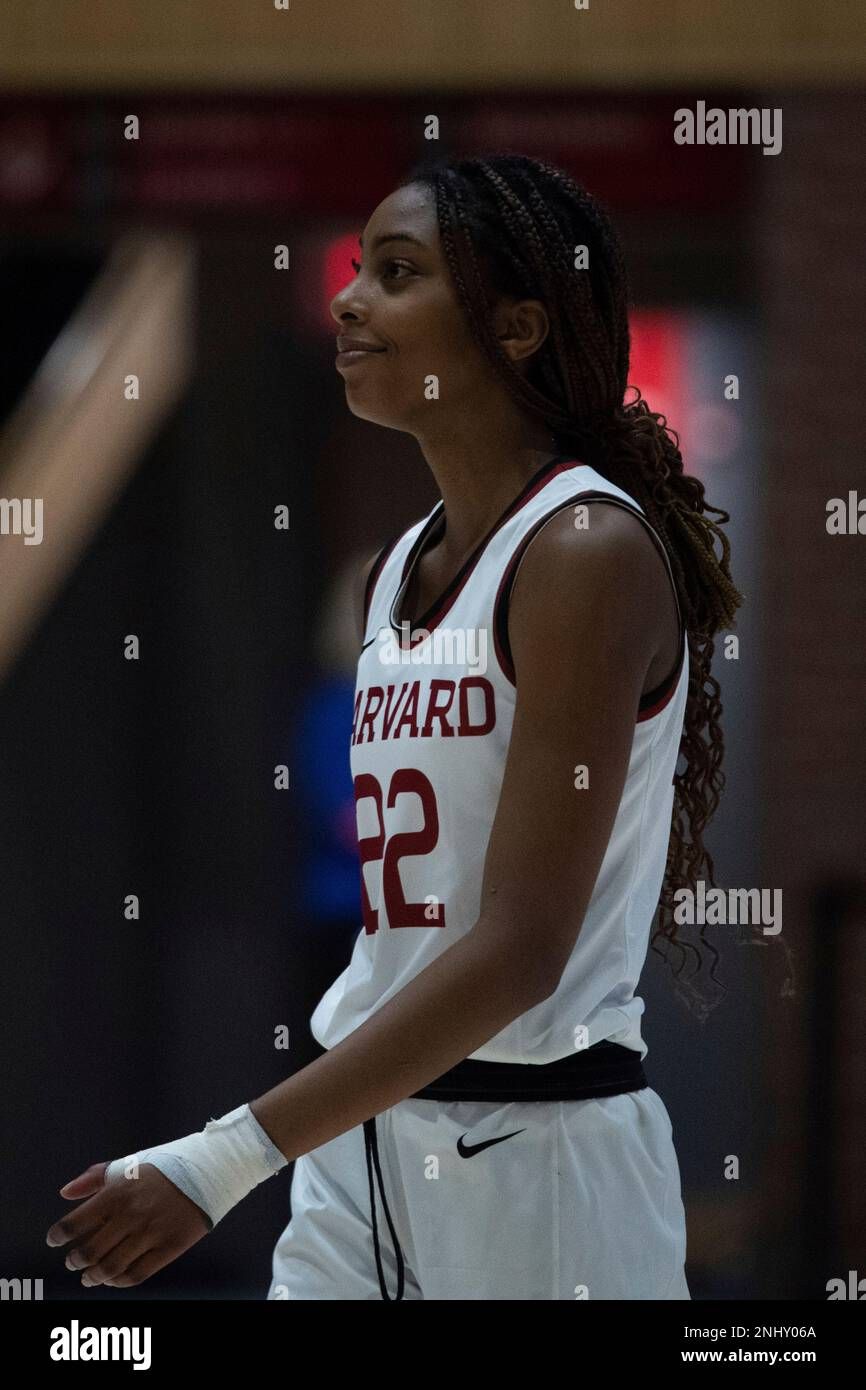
(477, 482)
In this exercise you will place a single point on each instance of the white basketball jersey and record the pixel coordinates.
(433, 714)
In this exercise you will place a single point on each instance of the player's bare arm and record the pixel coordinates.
(588, 611)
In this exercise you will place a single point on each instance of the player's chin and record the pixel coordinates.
(370, 407)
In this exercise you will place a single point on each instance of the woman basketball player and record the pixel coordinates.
(535, 655)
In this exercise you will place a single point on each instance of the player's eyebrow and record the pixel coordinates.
(393, 236)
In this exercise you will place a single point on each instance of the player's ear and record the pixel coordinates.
(521, 326)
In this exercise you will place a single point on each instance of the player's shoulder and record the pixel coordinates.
(591, 581)
(595, 541)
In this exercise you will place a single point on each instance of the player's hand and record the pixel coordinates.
(128, 1228)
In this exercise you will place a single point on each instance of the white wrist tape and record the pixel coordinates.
(216, 1168)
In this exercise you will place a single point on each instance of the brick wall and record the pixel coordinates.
(810, 239)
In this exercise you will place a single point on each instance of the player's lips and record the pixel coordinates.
(351, 350)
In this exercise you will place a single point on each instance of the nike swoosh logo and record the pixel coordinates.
(467, 1150)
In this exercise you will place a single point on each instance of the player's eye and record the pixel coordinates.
(387, 269)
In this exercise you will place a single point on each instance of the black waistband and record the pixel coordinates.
(605, 1069)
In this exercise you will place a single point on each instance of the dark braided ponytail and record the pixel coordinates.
(511, 225)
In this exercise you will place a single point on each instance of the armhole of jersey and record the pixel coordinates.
(375, 571)
(654, 700)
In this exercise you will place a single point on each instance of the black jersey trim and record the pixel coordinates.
(654, 700)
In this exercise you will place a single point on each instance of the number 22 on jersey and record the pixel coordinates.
(405, 781)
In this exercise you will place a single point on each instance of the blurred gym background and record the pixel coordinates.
(152, 160)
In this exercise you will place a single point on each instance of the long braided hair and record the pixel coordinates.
(511, 225)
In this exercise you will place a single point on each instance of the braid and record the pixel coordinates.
(509, 225)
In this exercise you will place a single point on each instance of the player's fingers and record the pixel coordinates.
(142, 1268)
(88, 1182)
(117, 1261)
(81, 1223)
(89, 1248)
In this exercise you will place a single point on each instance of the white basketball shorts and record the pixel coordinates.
(560, 1199)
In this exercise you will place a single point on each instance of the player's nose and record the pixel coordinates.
(347, 304)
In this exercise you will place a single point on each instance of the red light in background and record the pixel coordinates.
(336, 271)
(658, 363)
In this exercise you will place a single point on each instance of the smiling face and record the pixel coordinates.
(403, 303)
